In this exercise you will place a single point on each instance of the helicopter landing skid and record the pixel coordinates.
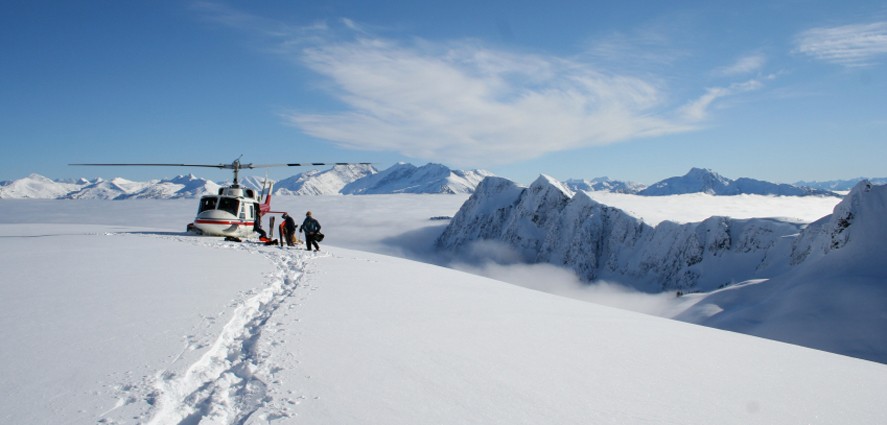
(192, 229)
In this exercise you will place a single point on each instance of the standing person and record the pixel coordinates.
(311, 227)
(257, 224)
(289, 226)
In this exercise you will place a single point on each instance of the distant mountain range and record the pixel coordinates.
(840, 185)
(701, 180)
(603, 184)
(401, 178)
(340, 179)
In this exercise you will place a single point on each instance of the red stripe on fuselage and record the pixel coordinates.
(224, 222)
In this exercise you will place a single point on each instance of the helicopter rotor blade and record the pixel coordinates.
(230, 166)
(302, 164)
(160, 165)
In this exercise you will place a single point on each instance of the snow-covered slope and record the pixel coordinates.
(407, 178)
(36, 186)
(707, 181)
(153, 327)
(836, 294)
(546, 223)
(327, 182)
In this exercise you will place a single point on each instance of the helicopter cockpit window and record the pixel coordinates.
(207, 203)
(229, 205)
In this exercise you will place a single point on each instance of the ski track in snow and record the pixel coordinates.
(229, 382)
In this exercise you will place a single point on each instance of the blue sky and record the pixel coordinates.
(634, 90)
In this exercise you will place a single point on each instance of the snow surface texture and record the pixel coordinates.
(117, 324)
(834, 299)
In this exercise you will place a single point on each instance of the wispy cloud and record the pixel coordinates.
(698, 109)
(467, 102)
(857, 45)
(462, 101)
(744, 65)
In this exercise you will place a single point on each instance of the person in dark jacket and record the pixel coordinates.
(257, 224)
(289, 226)
(311, 228)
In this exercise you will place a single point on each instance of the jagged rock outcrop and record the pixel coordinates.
(546, 222)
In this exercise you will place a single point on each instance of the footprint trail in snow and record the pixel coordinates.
(227, 384)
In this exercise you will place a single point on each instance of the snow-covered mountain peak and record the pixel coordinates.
(407, 178)
(546, 182)
(327, 182)
(696, 180)
(702, 180)
(39, 178)
(36, 186)
(184, 179)
(858, 219)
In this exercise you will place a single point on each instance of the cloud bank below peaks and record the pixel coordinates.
(463, 101)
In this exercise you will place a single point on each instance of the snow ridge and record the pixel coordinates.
(328, 182)
(833, 296)
(547, 223)
(226, 385)
(407, 178)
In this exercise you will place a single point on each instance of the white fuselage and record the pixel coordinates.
(232, 212)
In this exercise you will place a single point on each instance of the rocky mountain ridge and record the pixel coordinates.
(547, 222)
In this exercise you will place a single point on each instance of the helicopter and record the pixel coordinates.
(234, 210)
